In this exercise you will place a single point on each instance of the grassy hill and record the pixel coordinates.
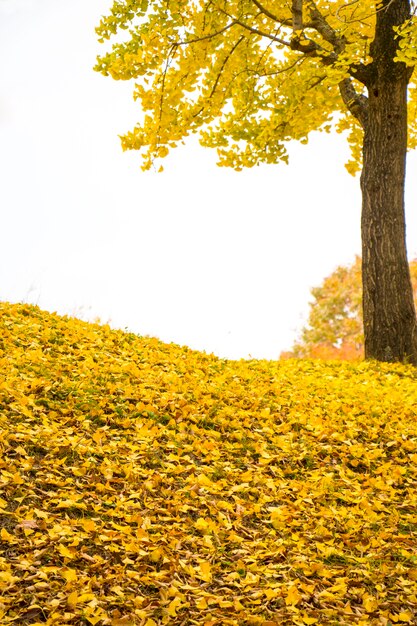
(144, 484)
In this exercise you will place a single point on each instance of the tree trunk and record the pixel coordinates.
(388, 308)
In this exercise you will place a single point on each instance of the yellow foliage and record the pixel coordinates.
(243, 76)
(149, 484)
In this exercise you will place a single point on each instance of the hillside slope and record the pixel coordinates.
(145, 483)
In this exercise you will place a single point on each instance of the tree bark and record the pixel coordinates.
(389, 315)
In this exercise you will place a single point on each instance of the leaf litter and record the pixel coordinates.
(146, 484)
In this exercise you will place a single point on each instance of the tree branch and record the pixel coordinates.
(356, 103)
(266, 12)
(204, 37)
(297, 15)
(361, 72)
(227, 57)
(305, 45)
(310, 48)
(320, 24)
(261, 33)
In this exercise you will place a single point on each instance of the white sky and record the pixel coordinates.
(199, 255)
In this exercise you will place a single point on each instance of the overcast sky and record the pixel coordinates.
(198, 255)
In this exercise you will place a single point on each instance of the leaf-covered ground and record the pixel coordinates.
(145, 484)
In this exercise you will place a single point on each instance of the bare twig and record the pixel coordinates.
(266, 11)
(204, 37)
(227, 57)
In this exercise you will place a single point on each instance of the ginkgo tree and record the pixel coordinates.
(250, 75)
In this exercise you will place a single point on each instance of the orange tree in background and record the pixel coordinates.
(335, 324)
(250, 75)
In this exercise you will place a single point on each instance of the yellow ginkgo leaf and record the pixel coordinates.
(293, 596)
(156, 555)
(370, 603)
(205, 571)
(72, 600)
(88, 525)
(204, 481)
(86, 597)
(173, 607)
(271, 593)
(6, 536)
(70, 575)
(201, 603)
(201, 525)
(63, 550)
